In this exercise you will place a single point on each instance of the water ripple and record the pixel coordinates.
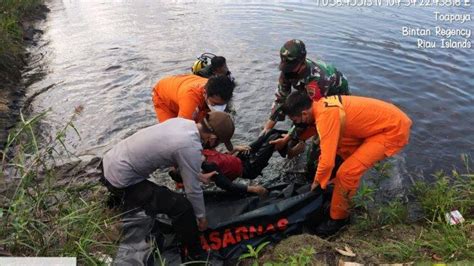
(107, 57)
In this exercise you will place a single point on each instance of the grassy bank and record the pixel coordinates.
(383, 234)
(16, 20)
(46, 213)
(12, 12)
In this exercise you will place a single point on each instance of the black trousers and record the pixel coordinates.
(156, 199)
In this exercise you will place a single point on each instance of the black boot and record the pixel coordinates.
(330, 227)
(196, 257)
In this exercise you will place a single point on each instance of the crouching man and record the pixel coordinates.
(177, 142)
(361, 130)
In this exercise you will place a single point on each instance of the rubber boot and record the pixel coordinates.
(330, 227)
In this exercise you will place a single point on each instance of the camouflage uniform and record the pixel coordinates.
(317, 78)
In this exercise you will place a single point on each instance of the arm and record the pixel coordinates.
(328, 125)
(189, 163)
(298, 137)
(305, 133)
(283, 90)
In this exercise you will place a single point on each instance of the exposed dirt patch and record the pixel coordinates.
(325, 254)
(12, 90)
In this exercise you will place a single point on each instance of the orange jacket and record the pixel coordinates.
(343, 122)
(182, 95)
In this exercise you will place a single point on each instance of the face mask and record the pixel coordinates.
(301, 125)
(291, 75)
(207, 145)
(219, 108)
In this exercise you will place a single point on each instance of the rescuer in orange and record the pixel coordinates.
(361, 130)
(190, 96)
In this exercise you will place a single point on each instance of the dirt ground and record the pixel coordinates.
(365, 246)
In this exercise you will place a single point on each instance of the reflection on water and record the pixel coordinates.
(106, 56)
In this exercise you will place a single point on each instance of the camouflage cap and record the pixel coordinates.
(292, 53)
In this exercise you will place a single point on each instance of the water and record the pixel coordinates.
(106, 56)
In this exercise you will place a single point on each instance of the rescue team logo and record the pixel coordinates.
(313, 91)
(216, 240)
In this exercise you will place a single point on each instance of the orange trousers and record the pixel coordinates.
(162, 111)
(357, 160)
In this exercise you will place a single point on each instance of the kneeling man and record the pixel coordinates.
(361, 130)
(178, 142)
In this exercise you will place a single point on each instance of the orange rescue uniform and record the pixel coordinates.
(180, 96)
(362, 131)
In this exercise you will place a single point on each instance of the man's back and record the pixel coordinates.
(136, 157)
(367, 117)
(173, 90)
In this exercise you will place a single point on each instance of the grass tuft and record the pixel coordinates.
(41, 214)
(437, 240)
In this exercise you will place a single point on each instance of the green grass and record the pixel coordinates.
(11, 32)
(448, 192)
(40, 217)
(302, 257)
(437, 240)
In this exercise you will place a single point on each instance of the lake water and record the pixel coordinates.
(106, 56)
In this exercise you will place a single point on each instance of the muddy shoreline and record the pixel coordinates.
(12, 88)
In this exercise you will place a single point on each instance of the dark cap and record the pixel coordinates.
(292, 53)
(221, 125)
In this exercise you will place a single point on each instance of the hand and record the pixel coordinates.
(206, 178)
(281, 142)
(202, 224)
(259, 190)
(244, 149)
(268, 126)
(297, 149)
(314, 186)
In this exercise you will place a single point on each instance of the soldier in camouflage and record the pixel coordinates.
(317, 78)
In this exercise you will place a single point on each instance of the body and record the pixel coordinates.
(247, 163)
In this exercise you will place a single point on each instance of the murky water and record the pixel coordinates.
(107, 55)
